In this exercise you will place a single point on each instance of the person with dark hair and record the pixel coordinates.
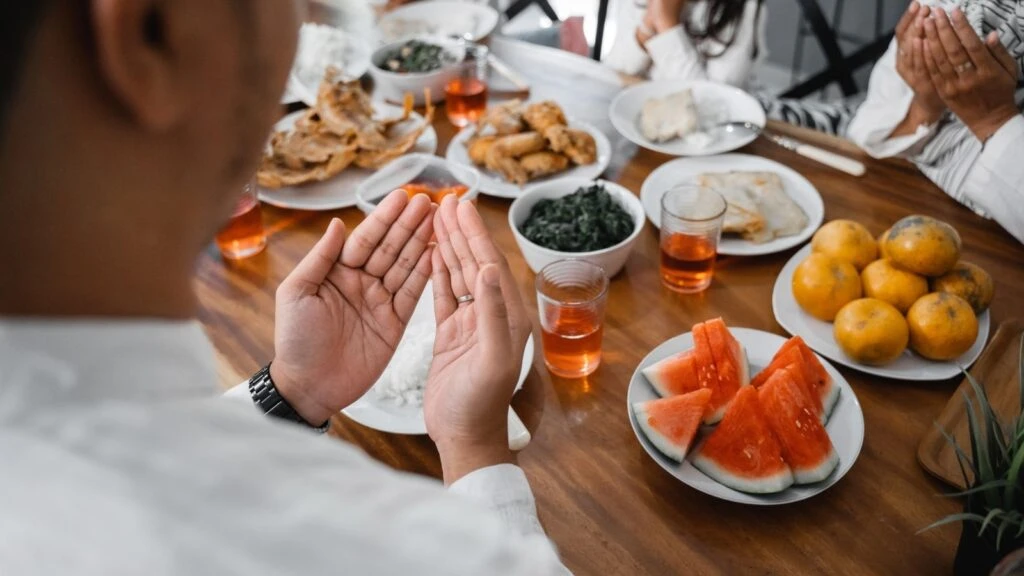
(716, 40)
(948, 95)
(127, 129)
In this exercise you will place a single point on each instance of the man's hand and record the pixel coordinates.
(975, 79)
(927, 107)
(343, 310)
(662, 15)
(479, 345)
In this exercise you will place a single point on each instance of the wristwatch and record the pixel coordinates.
(266, 397)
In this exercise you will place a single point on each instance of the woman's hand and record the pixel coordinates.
(479, 345)
(927, 107)
(343, 310)
(975, 79)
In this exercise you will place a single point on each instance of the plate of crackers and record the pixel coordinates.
(316, 157)
(517, 144)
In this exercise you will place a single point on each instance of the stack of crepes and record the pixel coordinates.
(758, 207)
(523, 142)
(340, 131)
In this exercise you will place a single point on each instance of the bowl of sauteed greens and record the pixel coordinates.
(593, 220)
(413, 65)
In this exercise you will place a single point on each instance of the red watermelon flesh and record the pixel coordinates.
(806, 446)
(671, 423)
(730, 357)
(828, 390)
(791, 359)
(742, 452)
(707, 372)
(674, 375)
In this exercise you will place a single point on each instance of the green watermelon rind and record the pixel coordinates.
(663, 444)
(765, 485)
(715, 417)
(817, 473)
(829, 400)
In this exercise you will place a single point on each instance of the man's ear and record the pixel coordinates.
(137, 61)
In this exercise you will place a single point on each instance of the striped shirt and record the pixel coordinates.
(985, 178)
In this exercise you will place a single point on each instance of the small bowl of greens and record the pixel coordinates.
(410, 66)
(593, 220)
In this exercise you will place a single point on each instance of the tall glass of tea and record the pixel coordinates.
(243, 236)
(466, 94)
(571, 296)
(691, 226)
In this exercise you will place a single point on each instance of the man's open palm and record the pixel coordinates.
(342, 312)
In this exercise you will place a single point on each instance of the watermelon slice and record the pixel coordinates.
(806, 446)
(674, 375)
(671, 423)
(791, 359)
(828, 390)
(742, 452)
(730, 357)
(707, 373)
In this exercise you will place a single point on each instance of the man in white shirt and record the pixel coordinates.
(127, 127)
(948, 96)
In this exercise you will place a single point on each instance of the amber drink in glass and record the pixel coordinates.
(571, 296)
(243, 236)
(691, 226)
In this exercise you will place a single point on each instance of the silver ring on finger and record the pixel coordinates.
(465, 299)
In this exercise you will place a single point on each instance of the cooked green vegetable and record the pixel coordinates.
(417, 56)
(588, 219)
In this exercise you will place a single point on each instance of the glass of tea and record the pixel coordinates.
(691, 226)
(466, 94)
(571, 296)
(243, 236)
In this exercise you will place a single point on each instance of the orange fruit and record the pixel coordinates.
(882, 238)
(888, 283)
(968, 281)
(846, 240)
(871, 331)
(942, 326)
(823, 284)
(923, 245)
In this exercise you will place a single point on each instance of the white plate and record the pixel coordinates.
(685, 170)
(340, 191)
(845, 427)
(386, 415)
(493, 184)
(818, 335)
(715, 102)
(444, 18)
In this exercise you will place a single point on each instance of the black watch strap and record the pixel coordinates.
(266, 397)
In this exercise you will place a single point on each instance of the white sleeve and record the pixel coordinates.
(887, 104)
(505, 490)
(627, 55)
(996, 182)
(239, 392)
(676, 57)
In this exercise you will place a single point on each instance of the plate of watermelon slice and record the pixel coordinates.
(745, 415)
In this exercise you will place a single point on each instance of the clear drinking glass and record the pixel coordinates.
(691, 227)
(571, 296)
(466, 95)
(243, 236)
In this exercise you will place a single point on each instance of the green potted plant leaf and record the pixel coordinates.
(993, 516)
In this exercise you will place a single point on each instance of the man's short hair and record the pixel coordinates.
(18, 22)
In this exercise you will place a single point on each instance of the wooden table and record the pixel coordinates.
(605, 503)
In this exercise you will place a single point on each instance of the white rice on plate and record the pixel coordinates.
(405, 377)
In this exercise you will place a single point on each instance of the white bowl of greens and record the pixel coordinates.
(593, 220)
(410, 66)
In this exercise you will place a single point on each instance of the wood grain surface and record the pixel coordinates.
(609, 508)
(997, 371)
